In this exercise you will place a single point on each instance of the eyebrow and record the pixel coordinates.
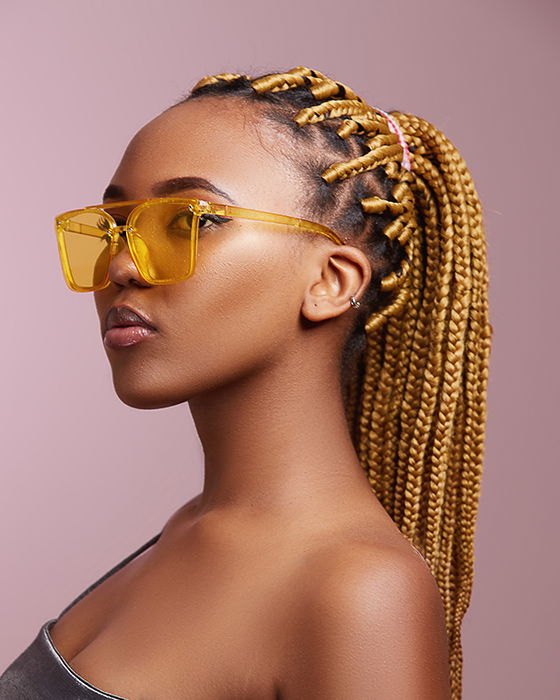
(169, 187)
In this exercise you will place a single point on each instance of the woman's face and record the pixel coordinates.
(241, 307)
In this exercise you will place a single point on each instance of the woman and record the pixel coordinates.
(335, 365)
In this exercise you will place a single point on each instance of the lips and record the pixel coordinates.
(125, 327)
(123, 316)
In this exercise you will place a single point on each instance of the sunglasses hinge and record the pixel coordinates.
(201, 207)
(116, 233)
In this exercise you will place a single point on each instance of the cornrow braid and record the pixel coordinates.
(415, 366)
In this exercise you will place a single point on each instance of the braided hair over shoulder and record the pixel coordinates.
(414, 368)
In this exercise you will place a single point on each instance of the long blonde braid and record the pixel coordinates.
(416, 398)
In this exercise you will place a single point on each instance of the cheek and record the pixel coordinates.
(235, 316)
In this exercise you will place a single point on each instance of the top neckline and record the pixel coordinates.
(46, 627)
(65, 666)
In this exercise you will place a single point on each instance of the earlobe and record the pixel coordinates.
(344, 274)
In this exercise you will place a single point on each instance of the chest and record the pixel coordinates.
(164, 629)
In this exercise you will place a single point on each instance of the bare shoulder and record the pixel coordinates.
(371, 625)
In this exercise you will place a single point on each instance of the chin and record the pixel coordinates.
(145, 397)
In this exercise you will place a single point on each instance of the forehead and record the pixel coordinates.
(223, 140)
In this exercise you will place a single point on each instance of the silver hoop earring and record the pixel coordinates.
(355, 304)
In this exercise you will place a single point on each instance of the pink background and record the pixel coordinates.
(85, 479)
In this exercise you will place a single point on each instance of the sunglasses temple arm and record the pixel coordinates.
(239, 213)
(84, 230)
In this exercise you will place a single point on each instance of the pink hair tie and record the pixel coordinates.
(395, 128)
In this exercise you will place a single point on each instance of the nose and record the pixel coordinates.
(122, 270)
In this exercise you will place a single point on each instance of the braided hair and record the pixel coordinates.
(414, 367)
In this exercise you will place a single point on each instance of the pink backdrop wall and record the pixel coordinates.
(85, 479)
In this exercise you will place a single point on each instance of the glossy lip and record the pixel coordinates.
(126, 336)
(125, 326)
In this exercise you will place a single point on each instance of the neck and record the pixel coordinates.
(276, 443)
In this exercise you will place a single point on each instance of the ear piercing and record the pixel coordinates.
(354, 303)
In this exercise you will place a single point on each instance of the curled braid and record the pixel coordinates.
(415, 368)
(213, 79)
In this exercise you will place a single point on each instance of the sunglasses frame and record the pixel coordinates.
(198, 207)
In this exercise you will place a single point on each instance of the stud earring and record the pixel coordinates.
(354, 303)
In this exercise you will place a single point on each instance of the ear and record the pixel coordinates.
(343, 273)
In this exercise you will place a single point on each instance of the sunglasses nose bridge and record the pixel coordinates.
(116, 233)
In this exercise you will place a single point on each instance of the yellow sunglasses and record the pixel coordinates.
(161, 233)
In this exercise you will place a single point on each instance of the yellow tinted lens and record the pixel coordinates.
(162, 241)
(86, 244)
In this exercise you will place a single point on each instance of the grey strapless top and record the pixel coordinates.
(40, 672)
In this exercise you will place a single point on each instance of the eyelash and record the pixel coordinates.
(213, 219)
